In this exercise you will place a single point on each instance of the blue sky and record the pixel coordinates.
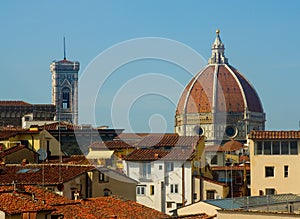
(261, 40)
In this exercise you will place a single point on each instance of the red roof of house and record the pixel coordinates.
(20, 200)
(16, 203)
(13, 150)
(56, 125)
(73, 159)
(274, 135)
(5, 134)
(111, 145)
(148, 154)
(38, 174)
(14, 103)
(131, 136)
(168, 140)
(228, 146)
(114, 207)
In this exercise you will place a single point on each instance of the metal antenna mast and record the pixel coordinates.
(64, 48)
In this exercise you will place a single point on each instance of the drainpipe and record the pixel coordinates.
(183, 185)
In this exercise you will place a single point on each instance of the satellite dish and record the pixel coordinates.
(42, 154)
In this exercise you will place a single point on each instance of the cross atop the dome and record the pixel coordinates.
(218, 48)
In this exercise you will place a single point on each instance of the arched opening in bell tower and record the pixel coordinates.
(66, 98)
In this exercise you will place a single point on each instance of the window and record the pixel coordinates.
(293, 147)
(140, 190)
(106, 192)
(286, 171)
(66, 99)
(267, 147)
(152, 190)
(270, 191)
(169, 166)
(102, 177)
(284, 147)
(214, 160)
(269, 171)
(275, 147)
(258, 148)
(210, 194)
(174, 188)
(169, 204)
(146, 170)
(160, 167)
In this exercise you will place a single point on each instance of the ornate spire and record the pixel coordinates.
(217, 49)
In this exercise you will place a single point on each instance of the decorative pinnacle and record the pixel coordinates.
(218, 48)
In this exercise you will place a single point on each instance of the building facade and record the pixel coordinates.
(274, 159)
(165, 167)
(219, 102)
(65, 89)
(12, 112)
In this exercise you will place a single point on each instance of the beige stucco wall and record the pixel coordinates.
(253, 215)
(198, 208)
(119, 188)
(45, 136)
(78, 183)
(280, 183)
(37, 140)
(220, 191)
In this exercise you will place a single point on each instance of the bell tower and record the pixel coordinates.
(65, 89)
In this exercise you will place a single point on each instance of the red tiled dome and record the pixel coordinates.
(232, 92)
(219, 87)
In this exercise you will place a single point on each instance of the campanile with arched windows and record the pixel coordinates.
(65, 89)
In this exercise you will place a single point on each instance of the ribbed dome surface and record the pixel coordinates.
(221, 88)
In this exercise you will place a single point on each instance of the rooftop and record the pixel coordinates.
(39, 174)
(253, 201)
(149, 154)
(274, 135)
(169, 140)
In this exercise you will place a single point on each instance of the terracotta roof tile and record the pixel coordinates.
(13, 150)
(93, 208)
(232, 146)
(168, 140)
(131, 136)
(14, 103)
(73, 159)
(274, 135)
(5, 134)
(15, 203)
(148, 154)
(56, 125)
(33, 174)
(228, 146)
(114, 207)
(111, 145)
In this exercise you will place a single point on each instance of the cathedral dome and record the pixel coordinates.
(218, 88)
